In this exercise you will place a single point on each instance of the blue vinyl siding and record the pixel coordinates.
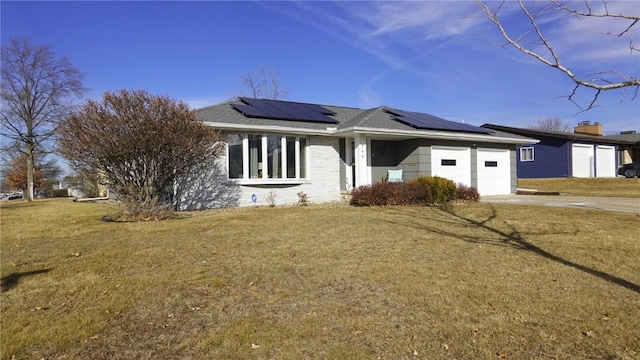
(551, 159)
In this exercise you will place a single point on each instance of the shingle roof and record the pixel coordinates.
(536, 134)
(634, 137)
(349, 119)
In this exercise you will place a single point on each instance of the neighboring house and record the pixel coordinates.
(281, 148)
(627, 153)
(584, 153)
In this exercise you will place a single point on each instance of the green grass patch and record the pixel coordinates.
(475, 281)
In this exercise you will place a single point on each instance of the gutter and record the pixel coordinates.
(401, 134)
(439, 135)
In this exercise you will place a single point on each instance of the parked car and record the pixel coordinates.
(630, 170)
(15, 196)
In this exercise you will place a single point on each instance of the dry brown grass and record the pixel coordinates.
(479, 281)
(607, 187)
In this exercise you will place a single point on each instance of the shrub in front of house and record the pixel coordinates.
(468, 193)
(442, 190)
(424, 190)
(59, 193)
(378, 194)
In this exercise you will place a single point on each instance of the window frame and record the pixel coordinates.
(524, 150)
(265, 161)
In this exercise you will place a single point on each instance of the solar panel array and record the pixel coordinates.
(427, 121)
(284, 110)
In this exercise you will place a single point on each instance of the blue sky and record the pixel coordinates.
(438, 57)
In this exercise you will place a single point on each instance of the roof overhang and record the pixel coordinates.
(387, 134)
(573, 137)
(381, 134)
(328, 131)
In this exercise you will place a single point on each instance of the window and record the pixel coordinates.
(234, 142)
(621, 153)
(274, 156)
(490, 164)
(448, 162)
(255, 156)
(526, 154)
(261, 156)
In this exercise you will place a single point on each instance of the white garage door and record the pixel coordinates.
(494, 172)
(582, 160)
(452, 163)
(605, 161)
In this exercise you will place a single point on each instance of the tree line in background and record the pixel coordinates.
(142, 145)
(37, 91)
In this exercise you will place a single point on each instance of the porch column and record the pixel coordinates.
(363, 175)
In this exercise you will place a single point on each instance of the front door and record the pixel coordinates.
(350, 158)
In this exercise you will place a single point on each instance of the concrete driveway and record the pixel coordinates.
(631, 205)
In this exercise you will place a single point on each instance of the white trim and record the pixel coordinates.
(533, 153)
(245, 156)
(429, 134)
(276, 181)
(606, 165)
(268, 129)
(382, 133)
(582, 166)
(297, 159)
(267, 177)
(362, 156)
(349, 164)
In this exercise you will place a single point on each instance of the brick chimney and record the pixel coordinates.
(585, 127)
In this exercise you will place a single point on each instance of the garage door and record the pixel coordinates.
(605, 161)
(582, 160)
(494, 172)
(452, 163)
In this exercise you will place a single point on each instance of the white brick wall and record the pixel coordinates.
(322, 183)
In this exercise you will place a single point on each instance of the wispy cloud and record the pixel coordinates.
(399, 33)
(408, 35)
(587, 44)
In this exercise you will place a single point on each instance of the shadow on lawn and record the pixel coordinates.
(515, 239)
(10, 281)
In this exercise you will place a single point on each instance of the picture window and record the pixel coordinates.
(261, 156)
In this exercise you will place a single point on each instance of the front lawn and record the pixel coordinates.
(607, 187)
(478, 281)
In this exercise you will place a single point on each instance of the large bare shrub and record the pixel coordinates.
(143, 144)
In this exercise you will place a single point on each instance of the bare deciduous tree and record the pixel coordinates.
(263, 84)
(142, 144)
(37, 90)
(552, 124)
(46, 171)
(535, 43)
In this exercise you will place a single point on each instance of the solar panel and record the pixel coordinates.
(284, 110)
(249, 110)
(427, 121)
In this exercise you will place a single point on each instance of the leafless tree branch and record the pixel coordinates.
(520, 42)
(263, 84)
(37, 91)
